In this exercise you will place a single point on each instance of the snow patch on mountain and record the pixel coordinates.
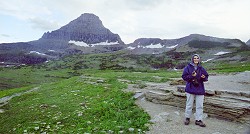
(105, 43)
(132, 48)
(174, 46)
(207, 60)
(155, 46)
(35, 52)
(79, 43)
(51, 50)
(83, 44)
(221, 53)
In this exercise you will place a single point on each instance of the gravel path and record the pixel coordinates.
(169, 120)
(239, 82)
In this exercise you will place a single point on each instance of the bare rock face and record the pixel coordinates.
(221, 104)
(248, 42)
(87, 28)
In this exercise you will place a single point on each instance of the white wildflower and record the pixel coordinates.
(48, 127)
(131, 129)
(80, 114)
(36, 128)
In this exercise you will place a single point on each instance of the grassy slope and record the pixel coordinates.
(74, 106)
(223, 67)
(12, 78)
(102, 106)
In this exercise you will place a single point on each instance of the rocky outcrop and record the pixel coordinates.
(222, 104)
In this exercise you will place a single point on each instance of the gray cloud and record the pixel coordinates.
(143, 4)
(43, 24)
(5, 35)
(132, 19)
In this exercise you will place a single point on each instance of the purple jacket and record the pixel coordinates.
(187, 76)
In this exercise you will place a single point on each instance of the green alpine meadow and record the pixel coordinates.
(72, 96)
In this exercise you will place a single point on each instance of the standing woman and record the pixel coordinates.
(194, 75)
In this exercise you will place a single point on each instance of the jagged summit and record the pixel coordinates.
(86, 28)
(86, 23)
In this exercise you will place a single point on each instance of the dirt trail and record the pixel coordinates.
(5, 100)
(169, 120)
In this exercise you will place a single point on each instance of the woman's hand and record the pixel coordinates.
(203, 76)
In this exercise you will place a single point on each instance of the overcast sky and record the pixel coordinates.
(27, 20)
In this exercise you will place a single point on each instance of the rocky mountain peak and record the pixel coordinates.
(88, 16)
(86, 23)
(87, 28)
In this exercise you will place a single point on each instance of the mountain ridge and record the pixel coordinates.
(157, 45)
(86, 34)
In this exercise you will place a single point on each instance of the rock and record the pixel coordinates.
(131, 129)
(143, 99)
(177, 113)
(157, 118)
(1, 111)
(44, 106)
(138, 95)
(218, 92)
(179, 94)
(164, 114)
(178, 82)
(216, 133)
(160, 117)
(181, 89)
(210, 93)
(160, 96)
(245, 94)
(100, 81)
